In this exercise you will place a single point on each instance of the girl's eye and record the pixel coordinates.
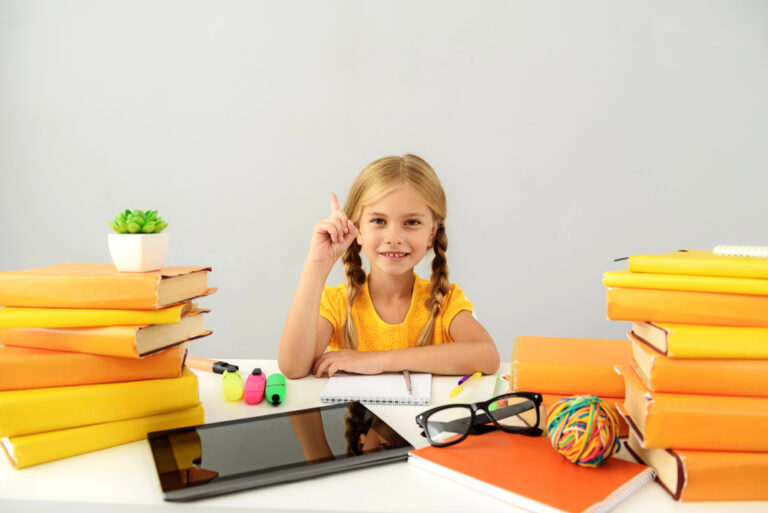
(413, 222)
(377, 220)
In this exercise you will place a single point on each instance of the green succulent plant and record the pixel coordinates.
(138, 221)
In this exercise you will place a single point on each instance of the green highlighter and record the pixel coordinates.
(275, 388)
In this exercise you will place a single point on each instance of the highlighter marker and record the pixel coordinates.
(207, 365)
(232, 384)
(275, 389)
(464, 382)
(254, 386)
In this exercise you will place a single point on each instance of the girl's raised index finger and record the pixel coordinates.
(334, 203)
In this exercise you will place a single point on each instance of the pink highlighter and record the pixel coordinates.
(254, 386)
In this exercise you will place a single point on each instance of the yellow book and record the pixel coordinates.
(27, 450)
(38, 410)
(696, 341)
(726, 285)
(22, 317)
(703, 263)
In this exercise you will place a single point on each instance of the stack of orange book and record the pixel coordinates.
(696, 386)
(91, 358)
(558, 367)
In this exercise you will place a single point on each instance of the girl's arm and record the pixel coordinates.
(306, 334)
(473, 350)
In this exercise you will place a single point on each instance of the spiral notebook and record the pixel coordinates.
(389, 388)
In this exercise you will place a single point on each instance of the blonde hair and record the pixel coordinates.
(375, 181)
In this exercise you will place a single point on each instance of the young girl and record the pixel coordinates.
(391, 319)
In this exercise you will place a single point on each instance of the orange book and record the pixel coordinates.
(698, 375)
(101, 286)
(123, 341)
(689, 475)
(611, 402)
(21, 367)
(520, 470)
(694, 421)
(568, 366)
(686, 307)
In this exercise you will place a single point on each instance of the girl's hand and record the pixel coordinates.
(349, 360)
(331, 236)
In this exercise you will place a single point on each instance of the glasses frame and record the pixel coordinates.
(479, 422)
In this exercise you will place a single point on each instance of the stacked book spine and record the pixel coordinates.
(696, 386)
(91, 358)
(558, 367)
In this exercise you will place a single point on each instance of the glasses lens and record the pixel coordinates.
(448, 425)
(515, 412)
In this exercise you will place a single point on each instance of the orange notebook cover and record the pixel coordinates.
(568, 366)
(22, 367)
(521, 470)
(686, 307)
(611, 402)
(689, 475)
(695, 421)
(698, 375)
(73, 285)
(122, 341)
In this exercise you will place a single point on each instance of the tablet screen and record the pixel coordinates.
(227, 456)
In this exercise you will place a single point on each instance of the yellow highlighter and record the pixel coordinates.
(232, 384)
(469, 378)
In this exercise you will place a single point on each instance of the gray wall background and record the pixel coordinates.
(566, 134)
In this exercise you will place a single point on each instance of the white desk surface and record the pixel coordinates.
(123, 478)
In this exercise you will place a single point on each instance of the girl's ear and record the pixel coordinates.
(435, 226)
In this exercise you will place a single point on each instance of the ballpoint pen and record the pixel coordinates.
(408, 385)
(463, 382)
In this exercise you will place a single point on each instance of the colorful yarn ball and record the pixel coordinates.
(583, 430)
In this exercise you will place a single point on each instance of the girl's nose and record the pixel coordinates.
(394, 235)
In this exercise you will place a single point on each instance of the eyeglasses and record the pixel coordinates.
(516, 412)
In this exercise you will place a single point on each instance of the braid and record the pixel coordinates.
(440, 284)
(353, 267)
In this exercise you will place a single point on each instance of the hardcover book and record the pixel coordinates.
(697, 341)
(698, 262)
(695, 421)
(689, 475)
(686, 307)
(28, 317)
(727, 285)
(60, 368)
(568, 366)
(38, 410)
(27, 450)
(124, 341)
(73, 285)
(698, 375)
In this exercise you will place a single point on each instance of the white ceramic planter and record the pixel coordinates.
(138, 253)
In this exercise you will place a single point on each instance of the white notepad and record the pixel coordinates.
(387, 388)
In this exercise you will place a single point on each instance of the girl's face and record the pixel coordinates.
(396, 231)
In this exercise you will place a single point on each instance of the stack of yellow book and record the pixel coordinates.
(91, 358)
(696, 386)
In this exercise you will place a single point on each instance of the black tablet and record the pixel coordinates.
(224, 457)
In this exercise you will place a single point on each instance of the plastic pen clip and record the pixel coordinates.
(464, 382)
